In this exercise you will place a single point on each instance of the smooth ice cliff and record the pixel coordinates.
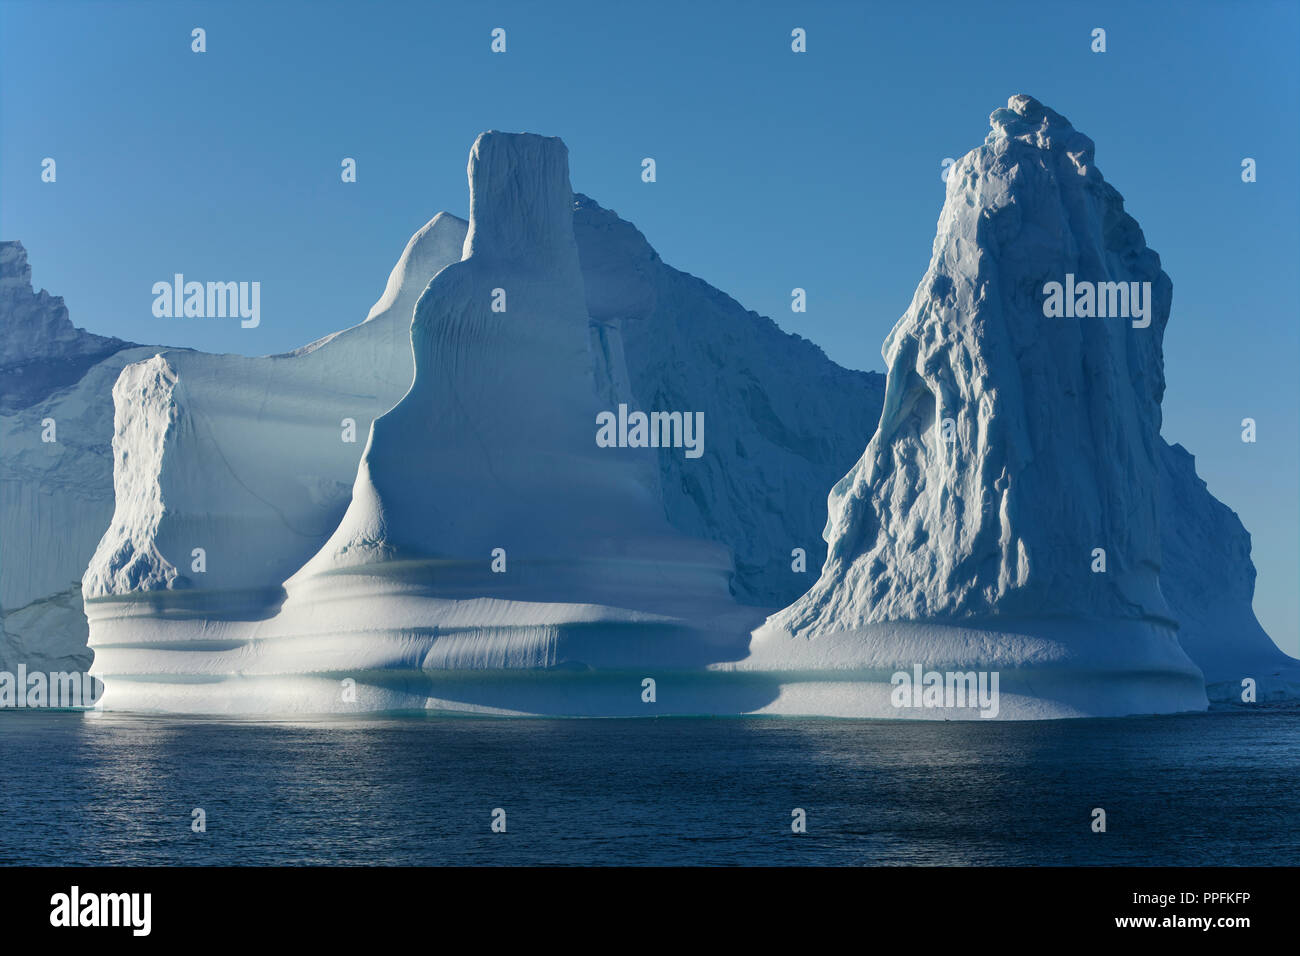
(1015, 513)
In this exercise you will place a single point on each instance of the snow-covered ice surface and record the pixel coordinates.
(324, 563)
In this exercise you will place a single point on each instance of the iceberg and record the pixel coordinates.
(488, 533)
(1209, 581)
(1006, 515)
(229, 472)
(56, 475)
(418, 512)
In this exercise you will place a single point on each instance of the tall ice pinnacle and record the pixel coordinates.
(1014, 471)
(494, 445)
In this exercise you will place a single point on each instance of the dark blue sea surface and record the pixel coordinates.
(1217, 788)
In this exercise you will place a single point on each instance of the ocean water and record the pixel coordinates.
(1217, 788)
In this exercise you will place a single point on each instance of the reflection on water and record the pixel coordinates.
(1216, 788)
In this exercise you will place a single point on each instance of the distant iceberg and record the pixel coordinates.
(56, 473)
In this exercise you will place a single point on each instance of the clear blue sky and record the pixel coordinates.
(775, 170)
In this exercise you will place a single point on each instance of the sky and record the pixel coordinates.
(775, 170)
